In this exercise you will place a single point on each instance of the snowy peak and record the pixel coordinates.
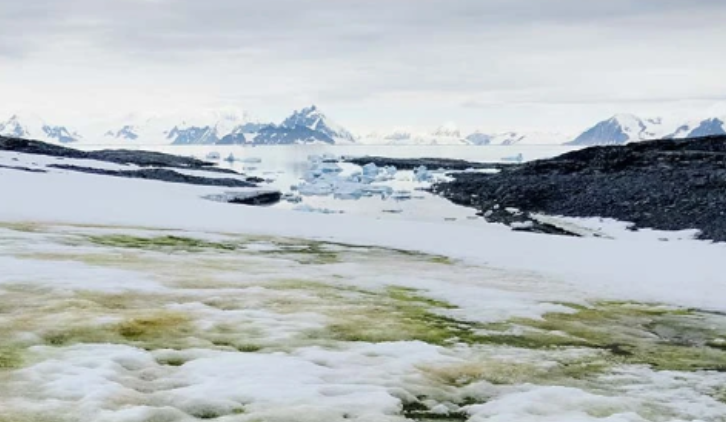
(707, 127)
(314, 119)
(479, 138)
(448, 130)
(626, 128)
(516, 138)
(128, 132)
(202, 128)
(33, 127)
(193, 135)
(621, 129)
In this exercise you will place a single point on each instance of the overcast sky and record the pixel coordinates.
(490, 64)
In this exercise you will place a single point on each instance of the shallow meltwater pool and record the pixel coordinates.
(133, 324)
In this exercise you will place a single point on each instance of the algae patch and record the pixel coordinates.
(396, 314)
(663, 338)
(10, 358)
(162, 243)
(159, 330)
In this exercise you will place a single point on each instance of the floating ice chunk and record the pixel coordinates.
(422, 174)
(384, 191)
(315, 189)
(514, 158)
(213, 155)
(329, 168)
(320, 169)
(292, 198)
(329, 158)
(371, 169)
(372, 173)
(308, 208)
(230, 158)
(402, 195)
(349, 190)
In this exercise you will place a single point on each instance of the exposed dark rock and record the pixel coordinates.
(139, 158)
(665, 185)
(256, 198)
(25, 169)
(163, 175)
(429, 163)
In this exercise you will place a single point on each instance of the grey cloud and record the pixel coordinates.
(469, 52)
(314, 27)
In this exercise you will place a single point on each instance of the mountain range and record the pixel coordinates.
(311, 126)
(627, 128)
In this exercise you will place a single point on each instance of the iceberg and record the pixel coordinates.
(422, 174)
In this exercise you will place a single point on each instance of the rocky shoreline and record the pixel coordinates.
(154, 165)
(663, 184)
(429, 163)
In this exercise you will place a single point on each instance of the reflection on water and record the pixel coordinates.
(284, 167)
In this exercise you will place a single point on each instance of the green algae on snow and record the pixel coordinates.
(395, 314)
(10, 357)
(168, 243)
(159, 330)
(626, 333)
(302, 251)
(663, 338)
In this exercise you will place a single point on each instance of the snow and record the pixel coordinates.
(264, 295)
(655, 276)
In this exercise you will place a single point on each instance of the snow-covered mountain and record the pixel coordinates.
(626, 128)
(622, 129)
(308, 125)
(707, 127)
(448, 130)
(320, 127)
(30, 126)
(449, 134)
(206, 128)
(517, 138)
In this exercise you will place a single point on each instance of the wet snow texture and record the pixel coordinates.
(132, 325)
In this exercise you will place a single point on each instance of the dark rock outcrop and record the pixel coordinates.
(162, 175)
(665, 185)
(429, 163)
(21, 168)
(256, 198)
(139, 158)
